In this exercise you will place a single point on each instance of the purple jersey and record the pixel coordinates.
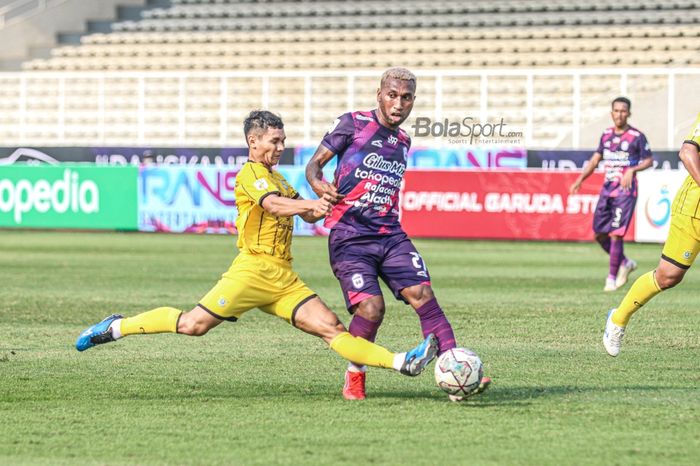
(621, 151)
(371, 164)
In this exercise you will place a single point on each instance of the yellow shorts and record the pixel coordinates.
(683, 241)
(260, 281)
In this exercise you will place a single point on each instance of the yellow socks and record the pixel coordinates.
(643, 289)
(159, 320)
(362, 352)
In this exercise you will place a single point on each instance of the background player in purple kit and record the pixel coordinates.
(366, 241)
(624, 151)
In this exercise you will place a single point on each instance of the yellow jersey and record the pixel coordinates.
(260, 232)
(687, 201)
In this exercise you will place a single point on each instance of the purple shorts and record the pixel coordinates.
(358, 261)
(613, 214)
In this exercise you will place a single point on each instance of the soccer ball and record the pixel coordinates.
(458, 372)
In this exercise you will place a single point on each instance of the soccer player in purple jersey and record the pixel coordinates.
(366, 241)
(624, 151)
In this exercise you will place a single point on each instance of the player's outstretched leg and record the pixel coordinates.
(361, 351)
(433, 319)
(431, 316)
(315, 318)
(160, 320)
(97, 334)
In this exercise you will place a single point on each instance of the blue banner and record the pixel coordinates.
(201, 199)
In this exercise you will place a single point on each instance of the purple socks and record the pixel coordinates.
(433, 320)
(361, 327)
(605, 244)
(617, 256)
(616, 250)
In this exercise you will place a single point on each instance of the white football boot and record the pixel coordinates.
(610, 284)
(624, 272)
(613, 335)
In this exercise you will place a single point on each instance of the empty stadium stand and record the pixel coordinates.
(190, 71)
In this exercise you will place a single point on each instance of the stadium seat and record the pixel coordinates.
(255, 37)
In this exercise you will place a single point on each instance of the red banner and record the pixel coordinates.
(499, 205)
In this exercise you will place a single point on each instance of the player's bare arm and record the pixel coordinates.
(587, 171)
(312, 210)
(323, 211)
(691, 160)
(314, 174)
(631, 172)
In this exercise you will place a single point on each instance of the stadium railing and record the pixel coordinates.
(552, 108)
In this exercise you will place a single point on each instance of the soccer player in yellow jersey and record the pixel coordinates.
(680, 250)
(261, 276)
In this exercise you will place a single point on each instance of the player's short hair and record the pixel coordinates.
(259, 120)
(397, 73)
(624, 100)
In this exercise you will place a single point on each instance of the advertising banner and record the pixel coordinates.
(468, 157)
(68, 196)
(653, 212)
(576, 159)
(225, 156)
(201, 199)
(187, 199)
(446, 157)
(434, 203)
(452, 157)
(498, 204)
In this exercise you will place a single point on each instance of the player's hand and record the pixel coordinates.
(626, 181)
(322, 208)
(324, 189)
(330, 198)
(573, 189)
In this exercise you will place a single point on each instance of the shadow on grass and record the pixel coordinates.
(519, 396)
(227, 392)
(494, 397)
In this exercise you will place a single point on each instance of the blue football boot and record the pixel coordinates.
(97, 334)
(420, 356)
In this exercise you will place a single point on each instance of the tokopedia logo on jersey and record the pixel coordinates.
(527, 203)
(68, 194)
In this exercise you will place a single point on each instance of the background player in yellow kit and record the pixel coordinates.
(261, 275)
(680, 250)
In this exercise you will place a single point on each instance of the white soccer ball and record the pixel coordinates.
(458, 372)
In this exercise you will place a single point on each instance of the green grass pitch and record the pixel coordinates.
(258, 392)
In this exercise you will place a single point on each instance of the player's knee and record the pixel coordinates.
(666, 281)
(320, 322)
(339, 327)
(418, 295)
(371, 310)
(327, 322)
(332, 328)
(191, 327)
